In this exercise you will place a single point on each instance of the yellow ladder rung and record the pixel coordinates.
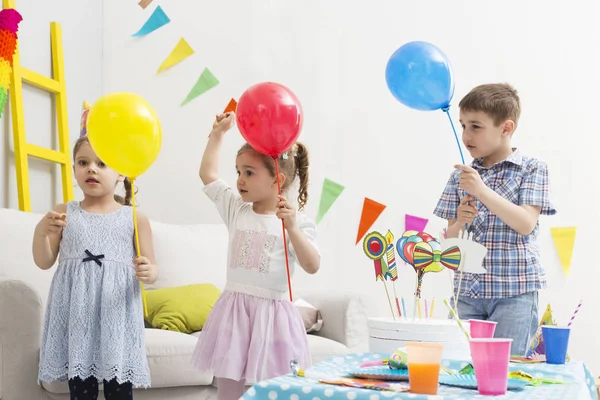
(40, 81)
(55, 85)
(46, 154)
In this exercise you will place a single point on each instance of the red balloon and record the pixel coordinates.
(425, 236)
(408, 251)
(269, 117)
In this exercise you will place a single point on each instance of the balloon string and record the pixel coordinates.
(447, 111)
(137, 240)
(285, 248)
(462, 158)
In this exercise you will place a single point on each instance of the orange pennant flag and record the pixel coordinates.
(370, 212)
(231, 106)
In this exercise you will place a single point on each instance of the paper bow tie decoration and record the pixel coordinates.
(472, 253)
(424, 252)
(9, 25)
(85, 110)
(428, 254)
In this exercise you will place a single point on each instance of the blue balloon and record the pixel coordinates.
(419, 76)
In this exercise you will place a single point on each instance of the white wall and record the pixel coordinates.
(81, 23)
(333, 55)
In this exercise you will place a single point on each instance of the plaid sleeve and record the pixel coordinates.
(535, 188)
(449, 200)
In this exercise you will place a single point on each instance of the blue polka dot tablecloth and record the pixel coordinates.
(579, 383)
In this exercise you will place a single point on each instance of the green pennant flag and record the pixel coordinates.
(206, 82)
(331, 191)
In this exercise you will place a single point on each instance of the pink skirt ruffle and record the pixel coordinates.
(251, 334)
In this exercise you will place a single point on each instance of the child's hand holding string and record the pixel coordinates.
(467, 211)
(145, 271)
(286, 212)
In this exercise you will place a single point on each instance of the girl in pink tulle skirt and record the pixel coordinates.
(254, 331)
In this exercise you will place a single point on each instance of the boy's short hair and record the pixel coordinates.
(500, 101)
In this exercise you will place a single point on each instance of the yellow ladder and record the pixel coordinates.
(54, 85)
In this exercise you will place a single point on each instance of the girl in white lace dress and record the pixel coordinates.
(94, 323)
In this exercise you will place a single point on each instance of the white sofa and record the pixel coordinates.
(186, 254)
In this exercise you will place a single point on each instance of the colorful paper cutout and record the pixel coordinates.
(370, 212)
(536, 345)
(144, 3)
(231, 106)
(156, 20)
(424, 253)
(85, 110)
(375, 247)
(205, 82)
(329, 194)
(9, 25)
(564, 241)
(370, 384)
(180, 52)
(413, 223)
(472, 253)
(391, 256)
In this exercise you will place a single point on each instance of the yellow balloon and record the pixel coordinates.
(125, 133)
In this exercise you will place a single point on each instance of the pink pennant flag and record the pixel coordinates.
(412, 223)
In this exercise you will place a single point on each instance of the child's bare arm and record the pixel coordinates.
(146, 268)
(209, 167)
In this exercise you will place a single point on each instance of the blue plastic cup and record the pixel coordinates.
(556, 342)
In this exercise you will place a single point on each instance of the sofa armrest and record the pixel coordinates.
(344, 318)
(20, 333)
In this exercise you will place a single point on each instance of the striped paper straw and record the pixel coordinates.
(460, 325)
(575, 313)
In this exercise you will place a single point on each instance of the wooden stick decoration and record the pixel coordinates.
(417, 303)
(393, 270)
(374, 246)
(455, 316)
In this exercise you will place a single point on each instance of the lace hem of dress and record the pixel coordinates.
(139, 378)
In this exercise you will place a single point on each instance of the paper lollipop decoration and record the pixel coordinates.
(374, 246)
(9, 25)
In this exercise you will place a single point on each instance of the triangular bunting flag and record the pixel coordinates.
(144, 3)
(156, 20)
(231, 106)
(206, 82)
(331, 191)
(412, 223)
(370, 212)
(181, 51)
(564, 241)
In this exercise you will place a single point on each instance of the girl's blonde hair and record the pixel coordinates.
(126, 201)
(293, 163)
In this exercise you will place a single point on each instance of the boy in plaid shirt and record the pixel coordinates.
(500, 198)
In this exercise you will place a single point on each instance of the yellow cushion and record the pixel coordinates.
(181, 309)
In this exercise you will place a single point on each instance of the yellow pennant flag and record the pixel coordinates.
(181, 51)
(564, 240)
